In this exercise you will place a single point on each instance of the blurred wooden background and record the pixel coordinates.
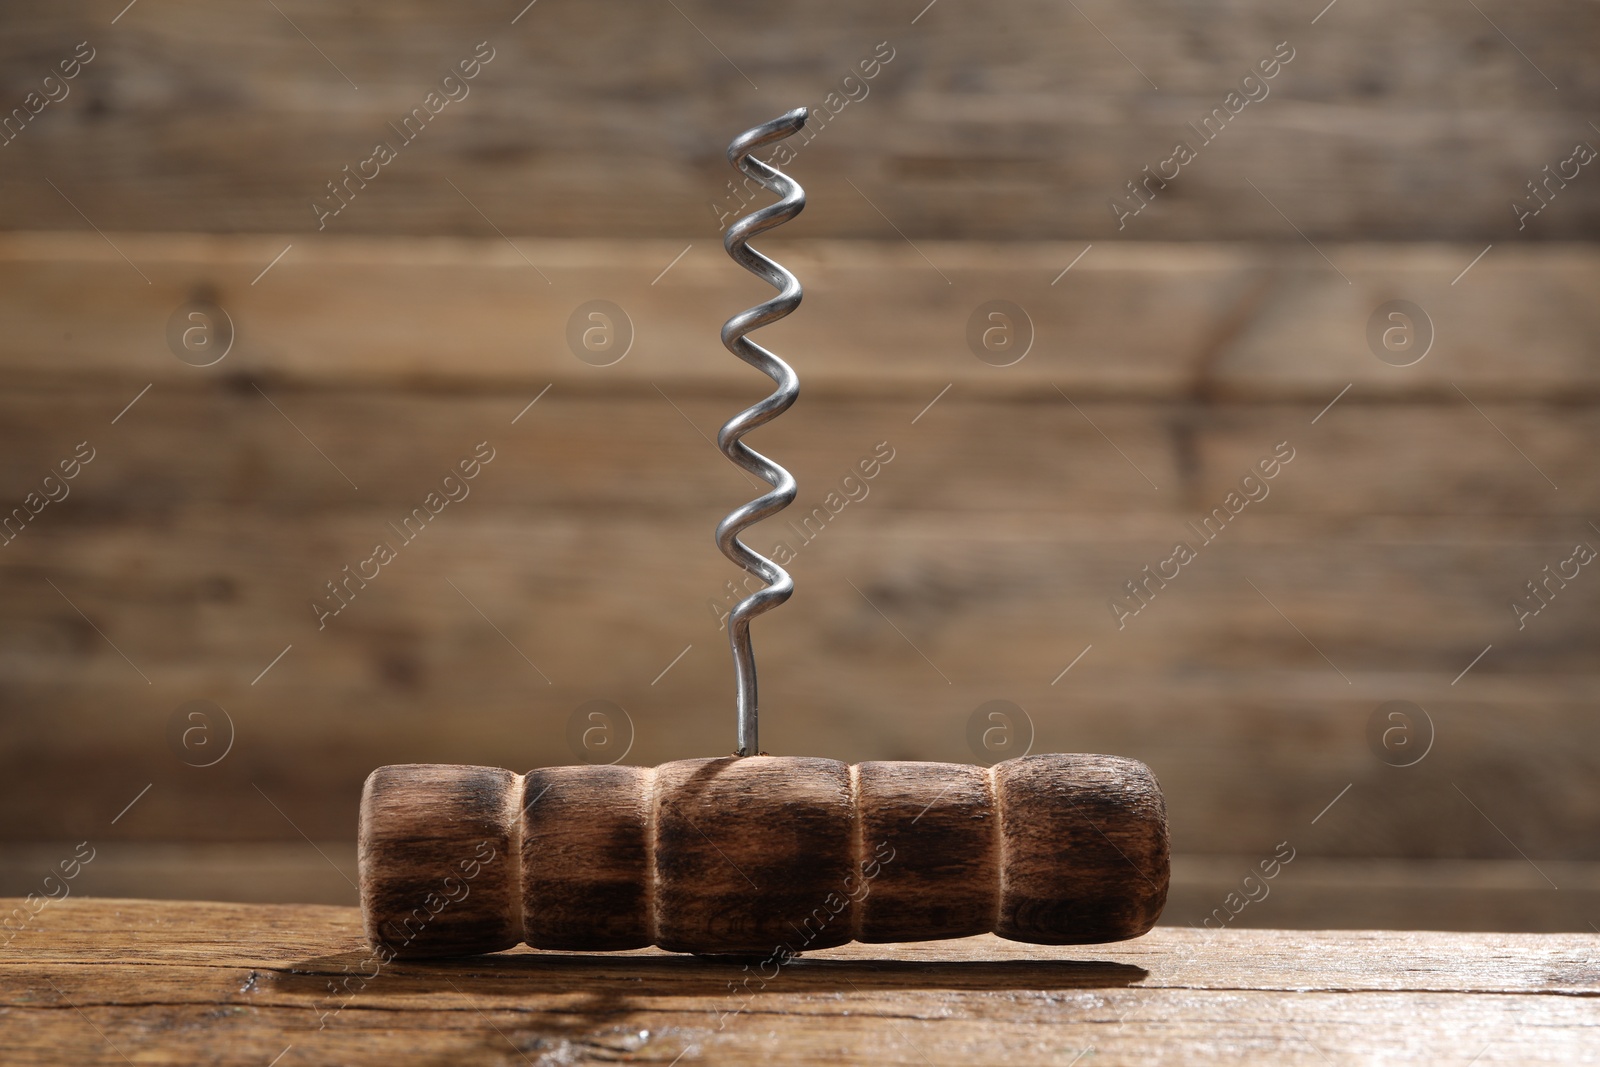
(372, 355)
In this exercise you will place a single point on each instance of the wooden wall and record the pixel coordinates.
(375, 354)
(1012, 120)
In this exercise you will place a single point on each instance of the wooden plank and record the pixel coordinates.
(1015, 123)
(1322, 893)
(557, 583)
(1048, 593)
(650, 454)
(1197, 323)
(246, 983)
(263, 872)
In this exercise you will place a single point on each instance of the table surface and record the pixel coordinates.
(89, 981)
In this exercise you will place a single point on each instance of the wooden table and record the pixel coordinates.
(113, 981)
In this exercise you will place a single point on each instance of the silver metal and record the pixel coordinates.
(736, 241)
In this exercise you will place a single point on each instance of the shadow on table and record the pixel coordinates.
(526, 973)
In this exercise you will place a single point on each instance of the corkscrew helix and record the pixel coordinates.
(729, 438)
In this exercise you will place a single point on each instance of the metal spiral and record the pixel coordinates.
(736, 241)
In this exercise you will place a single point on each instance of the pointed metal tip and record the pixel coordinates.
(785, 125)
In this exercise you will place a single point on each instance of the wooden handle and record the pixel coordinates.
(760, 854)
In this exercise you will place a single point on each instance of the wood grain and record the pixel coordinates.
(440, 860)
(939, 822)
(96, 980)
(1015, 122)
(1197, 322)
(763, 856)
(586, 858)
(748, 851)
(1105, 820)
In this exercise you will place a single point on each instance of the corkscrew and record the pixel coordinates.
(735, 335)
(753, 853)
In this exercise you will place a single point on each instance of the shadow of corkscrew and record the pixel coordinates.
(652, 973)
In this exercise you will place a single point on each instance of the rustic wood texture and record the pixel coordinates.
(94, 981)
(440, 861)
(761, 855)
(1196, 323)
(1016, 120)
(586, 858)
(1083, 849)
(939, 820)
(747, 852)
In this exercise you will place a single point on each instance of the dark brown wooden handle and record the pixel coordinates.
(760, 855)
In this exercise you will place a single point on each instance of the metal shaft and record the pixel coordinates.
(729, 439)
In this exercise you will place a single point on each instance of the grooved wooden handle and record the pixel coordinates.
(757, 854)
